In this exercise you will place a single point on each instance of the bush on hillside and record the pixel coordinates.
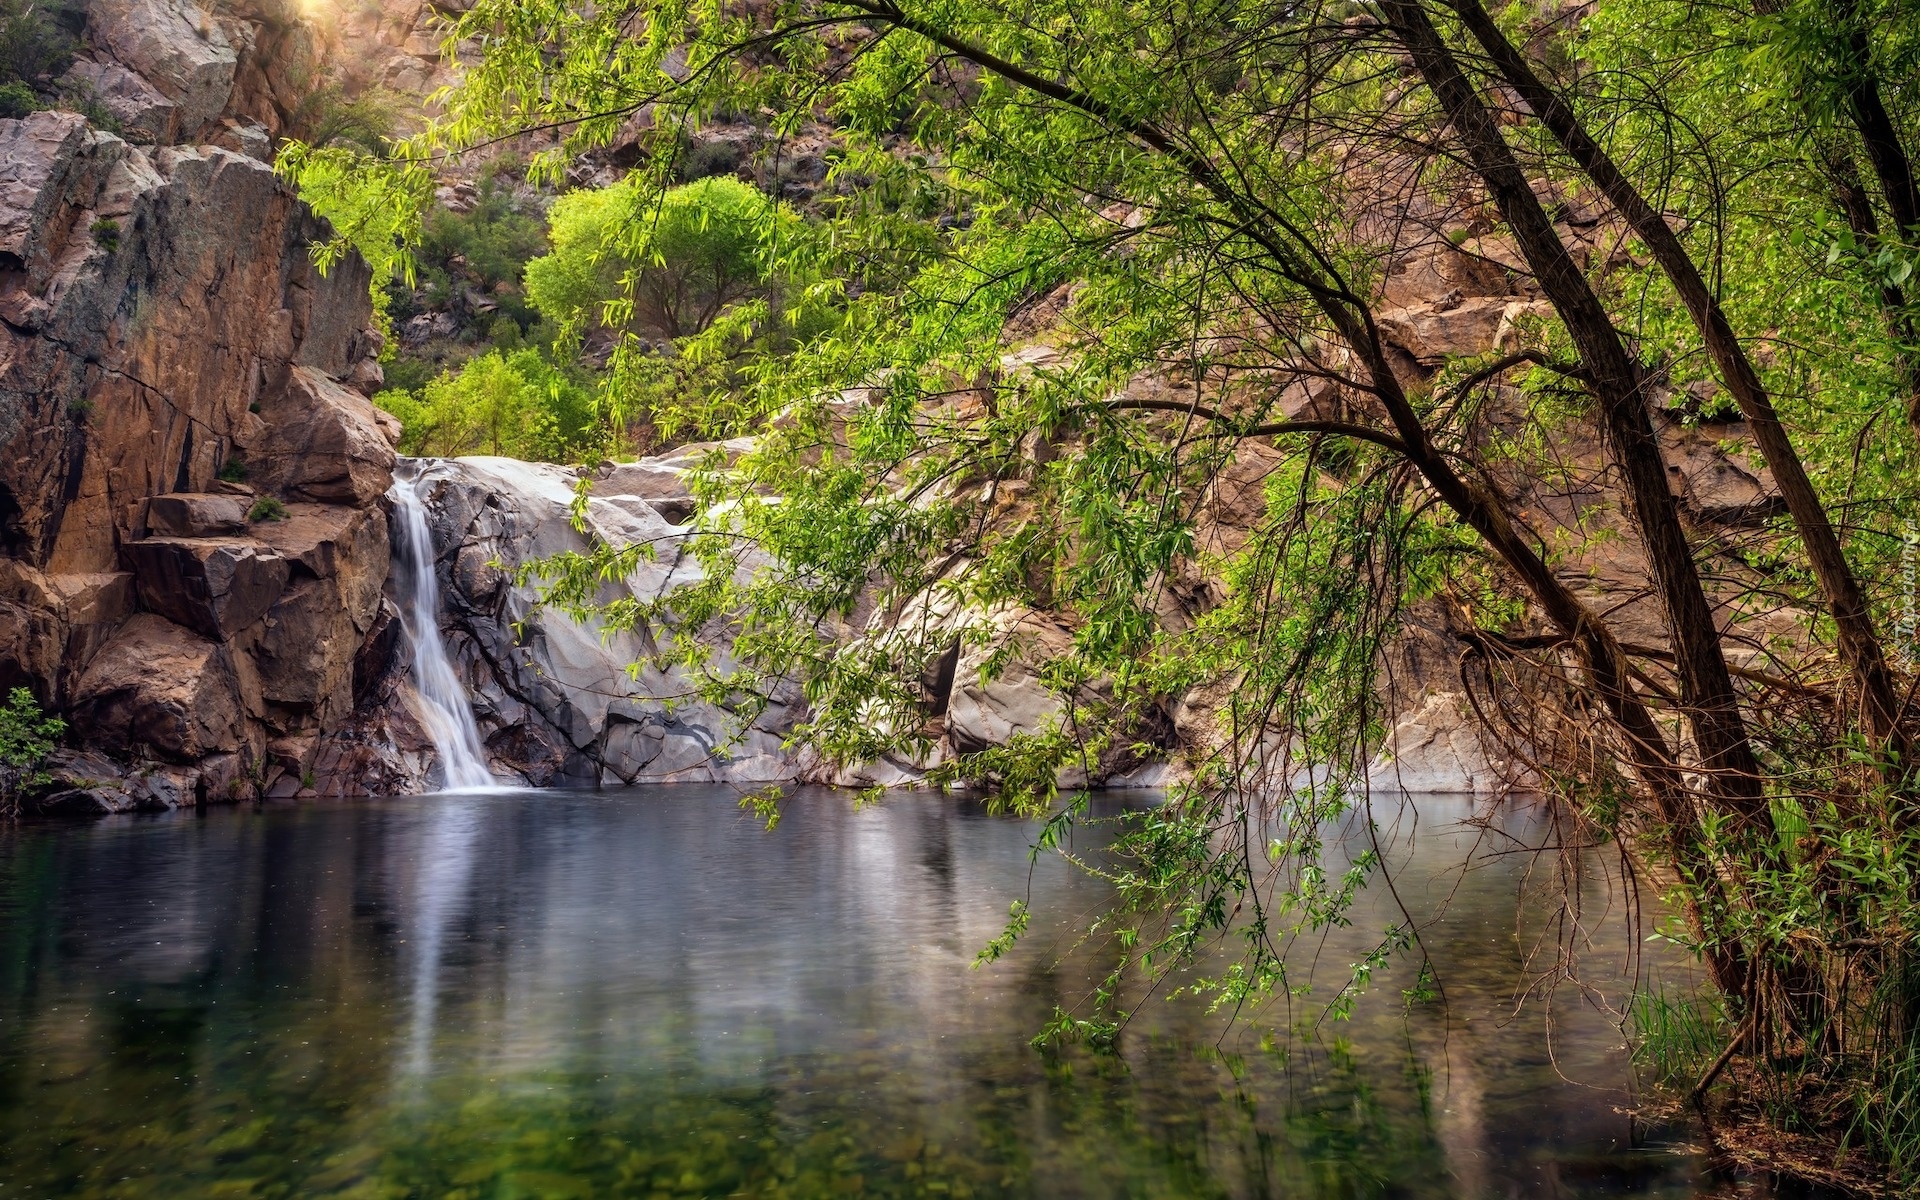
(468, 261)
(704, 248)
(328, 116)
(33, 44)
(517, 404)
(27, 738)
(17, 100)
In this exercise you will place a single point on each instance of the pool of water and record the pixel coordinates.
(644, 993)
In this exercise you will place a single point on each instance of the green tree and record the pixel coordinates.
(516, 404)
(27, 737)
(668, 264)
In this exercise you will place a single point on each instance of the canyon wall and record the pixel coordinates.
(192, 539)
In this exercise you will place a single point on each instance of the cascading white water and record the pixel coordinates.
(444, 708)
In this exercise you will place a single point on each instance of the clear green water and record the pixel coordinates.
(643, 994)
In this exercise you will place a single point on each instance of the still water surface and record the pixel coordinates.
(644, 994)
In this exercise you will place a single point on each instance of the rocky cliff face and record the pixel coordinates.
(169, 358)
(233, 73)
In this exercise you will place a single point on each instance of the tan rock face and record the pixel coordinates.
(160, 688)
(165, 334)
(190, 515)
(169, 294)
(216, 588)
(176, 46)
(294, 606)
(145, 115)
(47, 161)
(306, 650)
(323, 443)
(394, 44)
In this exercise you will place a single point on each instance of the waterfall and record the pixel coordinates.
(444, 708)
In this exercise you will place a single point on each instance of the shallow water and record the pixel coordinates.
(643, 994)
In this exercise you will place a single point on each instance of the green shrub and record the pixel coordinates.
(482, 252)
(409, 374)
(234, 470)
(106, 231)
(27, 737)
(704, 249)
(267, 508)
(330, 117)
(506, 335)
(77, 96)
(33, 46)
(17, 100)
(517, 404)
(704, 160)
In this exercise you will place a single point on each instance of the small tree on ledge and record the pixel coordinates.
(27, 737)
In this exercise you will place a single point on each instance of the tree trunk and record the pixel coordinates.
(1860, 645)
(1617, 382)
(1868, 112)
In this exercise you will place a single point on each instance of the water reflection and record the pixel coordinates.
(641, 993)
(444, 862)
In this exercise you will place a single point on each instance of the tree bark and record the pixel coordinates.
(1868, 111)
(1618, 384)
(1859, 643)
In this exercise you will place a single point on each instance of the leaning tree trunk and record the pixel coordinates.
(1860, 646)
(1618, 384)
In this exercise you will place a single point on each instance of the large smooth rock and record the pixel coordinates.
(323, 443)
(214, 587)
(1436, 747)
(1456, 328)
(162, 689)
(982, 713)
(195, 515)
(176, 46)
(1710, 476)
(663, 485)
(564, 700)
